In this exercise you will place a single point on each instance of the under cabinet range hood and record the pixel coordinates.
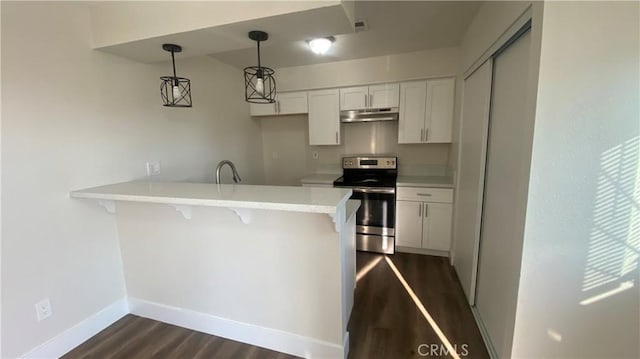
(369, 115)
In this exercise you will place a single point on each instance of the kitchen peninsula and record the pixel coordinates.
(265, 265)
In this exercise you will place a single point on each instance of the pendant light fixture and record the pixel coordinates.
(175, 91)
(259, 84)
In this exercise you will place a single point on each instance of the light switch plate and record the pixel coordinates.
(153, 168)
(43, 309)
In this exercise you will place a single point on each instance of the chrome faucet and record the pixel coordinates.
(236, 176)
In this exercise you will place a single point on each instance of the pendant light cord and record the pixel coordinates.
(173, 61)
(259, 55)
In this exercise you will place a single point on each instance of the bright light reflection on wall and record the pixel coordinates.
(612, 261)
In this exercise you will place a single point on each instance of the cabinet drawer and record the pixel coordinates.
(443, 195)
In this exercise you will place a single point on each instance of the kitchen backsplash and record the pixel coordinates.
(289, 157)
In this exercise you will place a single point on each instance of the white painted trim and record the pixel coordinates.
(483, 168)
(81, 332)
(500, 41)
(243, 332)
(485, 334)
(345, 345)
(429, 252)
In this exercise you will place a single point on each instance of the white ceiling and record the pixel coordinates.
(393, 27)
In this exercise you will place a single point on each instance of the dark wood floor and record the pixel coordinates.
(385, 323)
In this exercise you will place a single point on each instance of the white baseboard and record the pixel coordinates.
(493, 354)
(81, 332)
(243, 332)
(429, 252)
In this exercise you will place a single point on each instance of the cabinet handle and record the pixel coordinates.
(278, 106)
(420, 210)
(365, 101)
(371, 100)
(426, 135)
(426, 210)
(421, 134)
(336, 137)
(424, 194)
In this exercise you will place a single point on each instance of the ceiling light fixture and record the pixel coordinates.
(321, 45)
(175, 91)
(259, 84)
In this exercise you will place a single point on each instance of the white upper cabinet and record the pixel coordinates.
(324, 117)
(413, 98)
(369, 97)
(262, 109)
(383, 96)
(440, 94)
(354, 98)
(287, 103)
(426, 111)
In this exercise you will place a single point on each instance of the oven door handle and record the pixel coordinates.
(373, 190)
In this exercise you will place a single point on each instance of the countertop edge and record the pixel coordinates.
(280, 206)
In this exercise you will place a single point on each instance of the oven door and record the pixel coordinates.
(377, 213)
(375, 220)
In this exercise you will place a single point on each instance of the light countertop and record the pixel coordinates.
(425, 181)
(320, 178)
(284, 198)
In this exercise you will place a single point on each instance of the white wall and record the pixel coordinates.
(115, 22)
(72, 118)
(399, 67)
(492, 20)
(579, 286)
(287, 155)
(249, 282)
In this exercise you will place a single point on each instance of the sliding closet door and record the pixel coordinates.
(476, 97)
(506, 178)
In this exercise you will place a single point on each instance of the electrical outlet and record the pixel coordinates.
(315, 155)
(43, 309)
(153, 168)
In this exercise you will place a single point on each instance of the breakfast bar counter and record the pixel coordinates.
(271, 266)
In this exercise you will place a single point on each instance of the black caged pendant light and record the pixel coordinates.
(259, 84)
(175, 91)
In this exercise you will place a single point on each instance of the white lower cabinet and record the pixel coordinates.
(423, 218)
(409, 224)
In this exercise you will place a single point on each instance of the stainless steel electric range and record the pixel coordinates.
(373, 181)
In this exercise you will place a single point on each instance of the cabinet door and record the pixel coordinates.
(324, 117)
(440, 94)
(409, 224)
(383, 96)
(413, 97)
(292, 102)
(262, 109)
(354, 98)
(437, 226)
